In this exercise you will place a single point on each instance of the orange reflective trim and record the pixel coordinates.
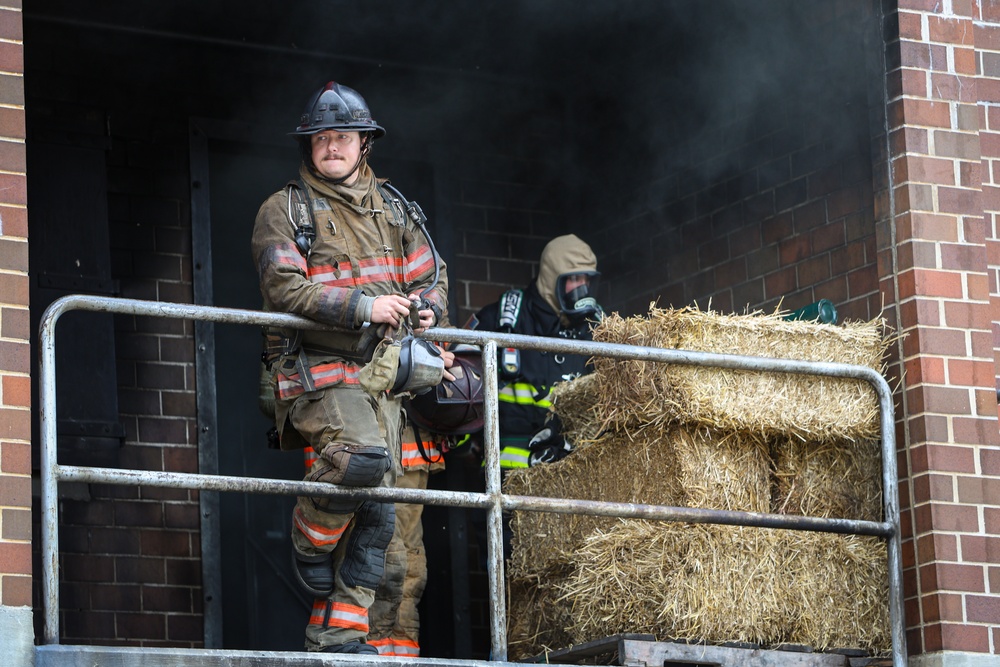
(384, 646)
(412, 456)
(348, 616)
(342, 615)
(406, 648)
(309, 457)
(318, 615)
(315, 533)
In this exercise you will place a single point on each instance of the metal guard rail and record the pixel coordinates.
(492, 500)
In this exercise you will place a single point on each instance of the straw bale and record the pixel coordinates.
(833, 480)
(806, 406)
(723, 471)
(659, 466)
(613, 469)
(729, 583)
(536, 620)
(576, 404)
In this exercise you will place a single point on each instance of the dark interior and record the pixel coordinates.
(712, 153)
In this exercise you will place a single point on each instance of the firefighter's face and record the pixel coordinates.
(335, 154)
(574, 281)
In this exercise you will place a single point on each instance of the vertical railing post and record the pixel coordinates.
(494, 517)
(49, 471)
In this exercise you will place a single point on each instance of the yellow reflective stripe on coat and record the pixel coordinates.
(523, 393)
(514, 457)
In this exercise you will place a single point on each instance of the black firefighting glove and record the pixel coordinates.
(548, 445)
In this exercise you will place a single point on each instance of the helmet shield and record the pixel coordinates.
(453, 407)
(337, 107)
(576, 293)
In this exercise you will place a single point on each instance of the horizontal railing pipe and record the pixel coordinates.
(493, 501)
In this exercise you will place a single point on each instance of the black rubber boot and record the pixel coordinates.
(356, 646)
(314, 573)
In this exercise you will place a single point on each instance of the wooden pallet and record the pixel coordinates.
(639, 650)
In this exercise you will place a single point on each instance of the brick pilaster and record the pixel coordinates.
(15, 358)
(935, 269)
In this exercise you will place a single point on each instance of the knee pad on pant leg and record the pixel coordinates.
(348, 465)
(364, 563)
(354, 465)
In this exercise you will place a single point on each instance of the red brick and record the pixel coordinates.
(943, 607)
(944, 284)
(10, 25)
(990, 13)
(930, 226)
(977, 431)
(11, 57)
(950, 30)
(16, 391)
(15, 457)
(182, 627)
(14, 287)
(924, 169)
(964, 372)
(910, 26)
(942, 458)
(16, 524)
(953, 577)
(978, 491)
(12, 188)
(926, 113)
(990, 461)
(970, 175)
(937, 547)
(914, 81)
(945, 400)
(968, 638)
(165, 543)
(147, 626)
(12, 127)
(986, 402)
(966, 315)
(16, 591)
(15, 491)
(962, 201)
(921, 370)
(963, 257)
(117, 597)
(15, 558)
(934, 487)
(979, 549)
(166, 598)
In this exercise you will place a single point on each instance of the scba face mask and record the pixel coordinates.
(576, 294)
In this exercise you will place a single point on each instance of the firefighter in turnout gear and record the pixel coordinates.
(395, 622)
(342, 247)
(559, 303)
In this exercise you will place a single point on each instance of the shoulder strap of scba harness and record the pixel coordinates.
(300, 210)
(509, 312)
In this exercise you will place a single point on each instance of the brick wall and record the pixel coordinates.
(791, 222)
(130, 568)
(15, 383)
(939, 266)
(769, 205)
(502, 217)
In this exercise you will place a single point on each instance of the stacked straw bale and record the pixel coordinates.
(715, 439)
